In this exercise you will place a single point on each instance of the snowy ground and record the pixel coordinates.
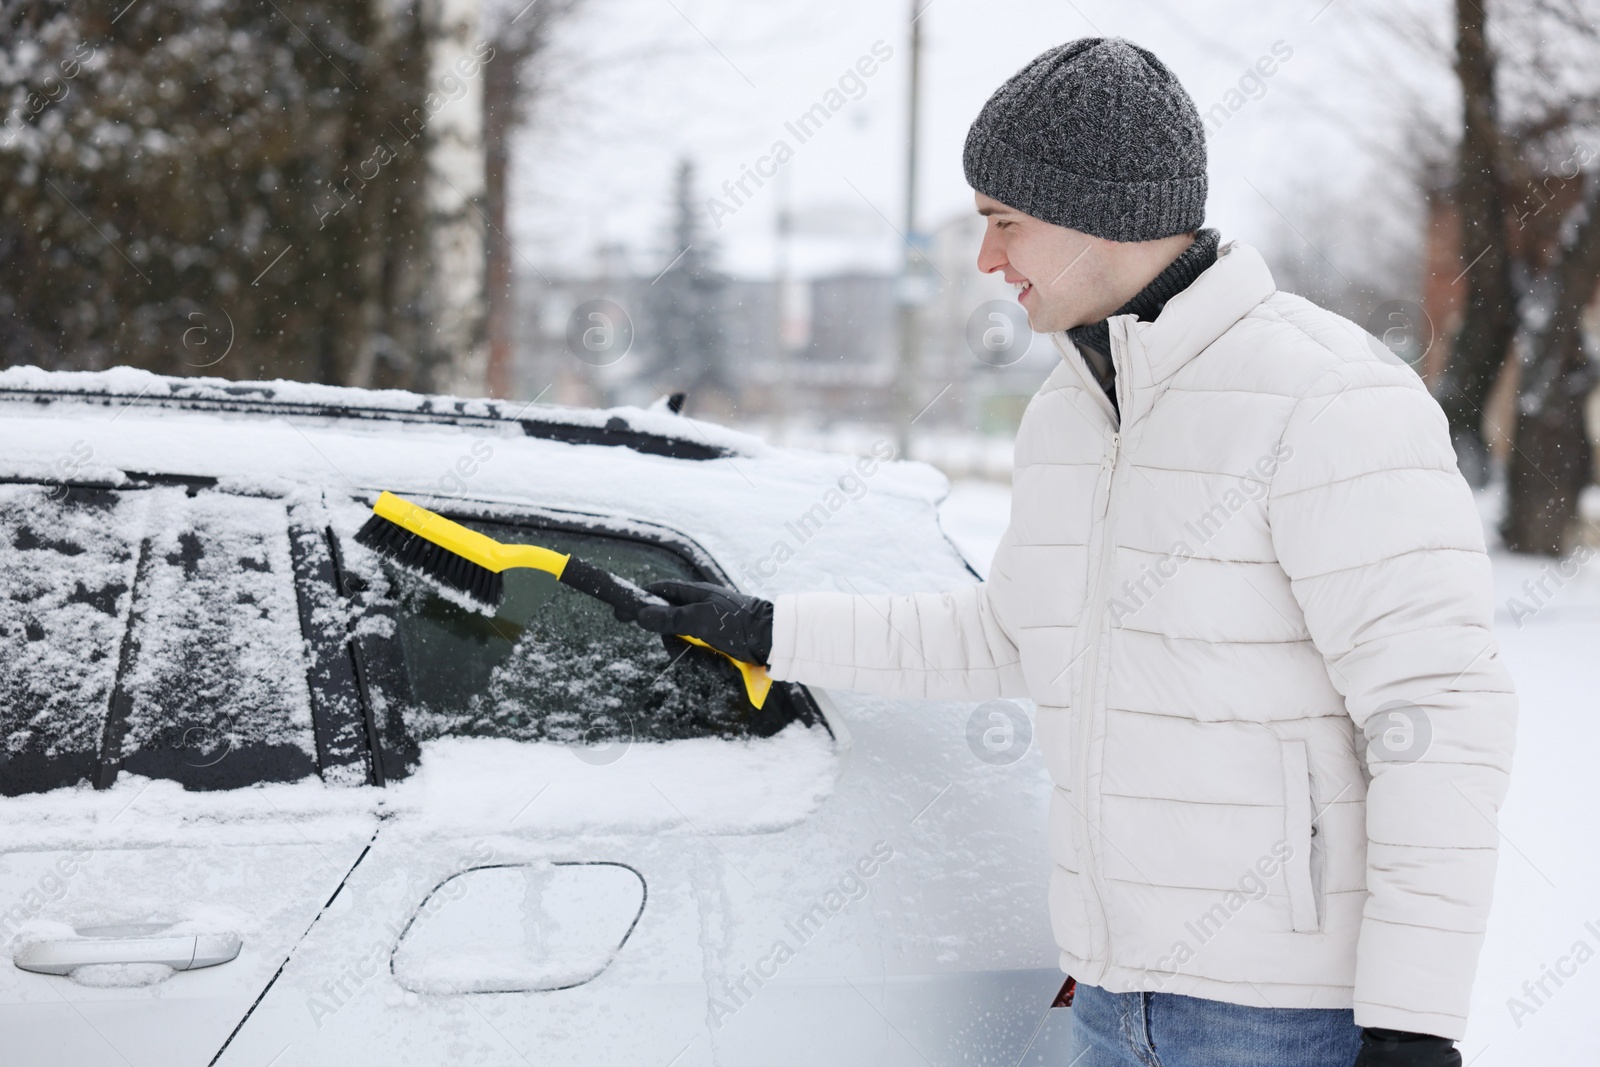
(1537, 996)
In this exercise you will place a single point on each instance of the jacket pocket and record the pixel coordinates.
(1297, 834)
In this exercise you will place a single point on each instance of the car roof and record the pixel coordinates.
(777, 519)
(643, 431)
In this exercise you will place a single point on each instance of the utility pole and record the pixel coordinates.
(780, 400)
(912, 289)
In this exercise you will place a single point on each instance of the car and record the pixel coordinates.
(270, 799)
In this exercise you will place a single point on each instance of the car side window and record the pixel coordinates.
(215, 694)
(66, 572)
(555, 665)
(152, 630)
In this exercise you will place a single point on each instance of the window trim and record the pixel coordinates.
(114, 728)
(341, 709)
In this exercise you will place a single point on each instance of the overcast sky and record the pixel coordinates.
(637, 84)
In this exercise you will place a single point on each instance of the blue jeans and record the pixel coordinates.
(1167, 1030)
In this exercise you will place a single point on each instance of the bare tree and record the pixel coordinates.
(1524, 183)
(519, 34)
(1490, 320)
(1553, 460)
(1545, 151)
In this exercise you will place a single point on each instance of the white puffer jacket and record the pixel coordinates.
(1255, 619)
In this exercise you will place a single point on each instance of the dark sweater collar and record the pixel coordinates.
(1148, 302)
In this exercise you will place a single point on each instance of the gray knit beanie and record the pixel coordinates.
(1096, 135)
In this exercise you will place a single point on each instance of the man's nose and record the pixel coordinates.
(990, 257)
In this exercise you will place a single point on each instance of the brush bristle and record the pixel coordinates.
(432, 561)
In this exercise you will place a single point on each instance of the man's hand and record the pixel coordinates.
(1396, 1048)
(726, 620)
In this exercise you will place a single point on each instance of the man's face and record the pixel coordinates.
(1062, 274)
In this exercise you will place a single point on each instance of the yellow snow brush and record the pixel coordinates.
(471, 563)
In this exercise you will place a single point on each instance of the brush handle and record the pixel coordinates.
(603, 585)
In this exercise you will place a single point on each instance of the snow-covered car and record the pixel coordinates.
(269, 800)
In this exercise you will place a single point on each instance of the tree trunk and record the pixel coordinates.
(454, 359)
(499, 88)
(1490, 319)
(1553, 460)
(509, 85)
(503, 96)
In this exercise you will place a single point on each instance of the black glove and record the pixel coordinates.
(1397, 1048)
(725, 619)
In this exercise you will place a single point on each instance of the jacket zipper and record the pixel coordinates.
(1092, 662)
(1091, 669)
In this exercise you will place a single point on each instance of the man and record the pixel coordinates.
(1247, 590)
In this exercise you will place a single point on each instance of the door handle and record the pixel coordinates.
(183, 953)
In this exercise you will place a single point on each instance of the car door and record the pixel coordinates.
(159, 776)
(549, 880)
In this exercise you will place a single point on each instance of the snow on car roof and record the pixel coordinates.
(129, 384)
(777, 519)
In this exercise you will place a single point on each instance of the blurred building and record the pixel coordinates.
(820, 351)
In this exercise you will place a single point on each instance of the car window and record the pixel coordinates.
(215, 691)
(66, 569)
(555, 665)
(154, 629)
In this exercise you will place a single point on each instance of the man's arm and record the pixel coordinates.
(948, 646)
(1383, 546)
